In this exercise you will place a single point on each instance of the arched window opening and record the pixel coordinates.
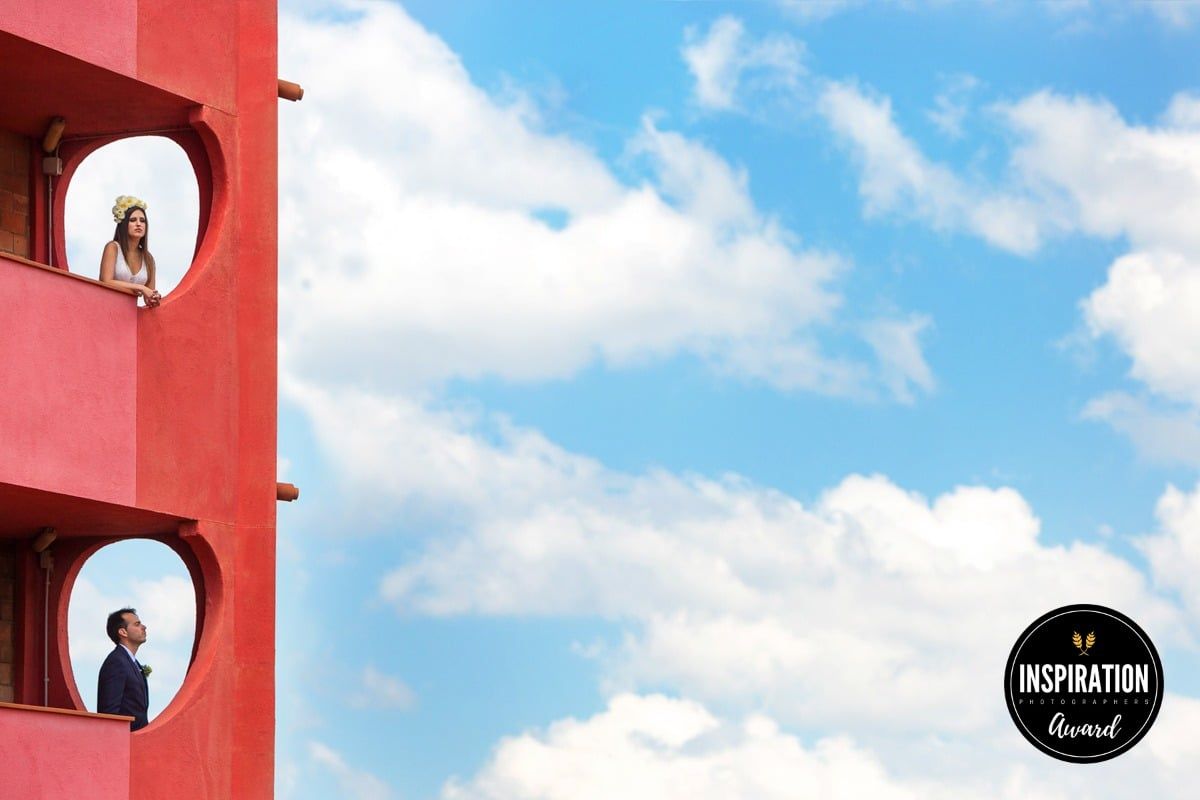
(150, 577)
(152, 168)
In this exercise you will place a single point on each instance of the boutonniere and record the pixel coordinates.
(146, 670)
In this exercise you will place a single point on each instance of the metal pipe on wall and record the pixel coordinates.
(41, 546)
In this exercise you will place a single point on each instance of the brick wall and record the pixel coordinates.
(14, 194)
(8, 566)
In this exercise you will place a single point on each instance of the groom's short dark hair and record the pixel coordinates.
(116, 621)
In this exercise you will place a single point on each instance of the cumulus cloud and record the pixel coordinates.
(727, 64)
(1161, 433)
(1174, 552)
(652, 746)
(896, 177)
(1080, 16)
(1148, 306)
(816, 10)
(897, 345)
(1105, 177)
(1179, 15)
(355, 783)
(951, 104)
(1077, 167)
(659, 748)
(382, 691)
(451, 253)
(735, 593)
(1184, 111)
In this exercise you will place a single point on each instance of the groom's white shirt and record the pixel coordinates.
(132, 657)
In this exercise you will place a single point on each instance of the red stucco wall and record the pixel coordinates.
(101, 32)
(68, 376)
(169, 410)
(90, 758)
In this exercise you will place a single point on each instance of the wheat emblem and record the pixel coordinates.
(1083, 644)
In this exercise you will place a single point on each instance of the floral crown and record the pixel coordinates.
(124, 203)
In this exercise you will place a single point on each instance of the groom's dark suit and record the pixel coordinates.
(123, 688)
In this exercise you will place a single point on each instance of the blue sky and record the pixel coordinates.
(697, 398)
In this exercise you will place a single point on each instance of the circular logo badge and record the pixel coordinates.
(1083, 683)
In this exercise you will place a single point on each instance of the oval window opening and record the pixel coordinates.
(152, 168)
(150, 577)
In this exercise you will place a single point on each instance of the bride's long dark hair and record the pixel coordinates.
(121, 235)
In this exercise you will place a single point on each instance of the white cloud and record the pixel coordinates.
(1148, 305)
(1093, 172)
(897, 178)
(1183, 111)
(697, 180)
(355, 783)
(898, 349)
(719, 581)
(735, 594)
(382, 691)
(287, 778)
(1081, 16)
(661, 748)
(1094, 15)
(1163, 434)
(1180, 14)
(951, 104)
(1077, 167)
(1104, 177)
(1174, 552)
(1172, 743)
(449, 253)
(173, 600)
(727, 64)
(816, 10)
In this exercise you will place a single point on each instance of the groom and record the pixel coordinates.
(123, 688)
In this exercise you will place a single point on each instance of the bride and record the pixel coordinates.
(126, 261)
